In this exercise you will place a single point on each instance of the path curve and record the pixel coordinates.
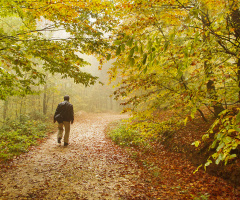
(91, 167)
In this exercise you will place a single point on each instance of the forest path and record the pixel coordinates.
(91, 167)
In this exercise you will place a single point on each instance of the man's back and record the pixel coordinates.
(65, 108)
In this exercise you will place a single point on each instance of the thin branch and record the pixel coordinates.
(201, 113)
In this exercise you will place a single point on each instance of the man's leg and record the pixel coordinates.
(67, 132)
(60, 132)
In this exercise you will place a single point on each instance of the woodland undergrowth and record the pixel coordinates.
(17, 136)
(177, 138)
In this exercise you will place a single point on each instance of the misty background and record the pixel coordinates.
(94, 98)
(43, 103)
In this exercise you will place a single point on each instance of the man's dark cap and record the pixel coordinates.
(66, 97)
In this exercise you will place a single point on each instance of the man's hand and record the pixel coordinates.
(71, 122)
(54, 121)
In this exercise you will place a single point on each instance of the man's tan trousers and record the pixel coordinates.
(67, 131)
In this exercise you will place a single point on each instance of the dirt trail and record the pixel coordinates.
(91, 167)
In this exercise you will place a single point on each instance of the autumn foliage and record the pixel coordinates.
(181, 56)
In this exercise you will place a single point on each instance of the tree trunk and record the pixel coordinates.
(45, 100)
(235, 24)
(217, 107)
(5, 109)
(21, 107)
(238, 73)
(16, 108)
(53, 102)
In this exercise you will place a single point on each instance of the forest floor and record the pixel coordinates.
(93, 167)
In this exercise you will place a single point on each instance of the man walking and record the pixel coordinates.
(64, 115)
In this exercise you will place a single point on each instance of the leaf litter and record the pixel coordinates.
(93, 167)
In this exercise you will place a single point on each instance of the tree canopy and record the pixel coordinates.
(181, 55)
(38, 36)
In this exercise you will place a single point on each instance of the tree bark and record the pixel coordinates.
(238, 73)
(5, 109)
(235, 24)
(217, 107)
(45, 100)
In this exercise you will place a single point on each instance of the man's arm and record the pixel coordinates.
(72, 114)
(56, 112)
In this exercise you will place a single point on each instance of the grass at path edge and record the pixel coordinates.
(16, 137)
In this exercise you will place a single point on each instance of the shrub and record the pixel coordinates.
(124, 136)
(35, 115)
(17, 136)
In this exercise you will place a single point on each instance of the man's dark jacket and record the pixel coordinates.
(66, 110)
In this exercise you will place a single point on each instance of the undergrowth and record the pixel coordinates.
(144, 140)
(124, 136)
(17, 136)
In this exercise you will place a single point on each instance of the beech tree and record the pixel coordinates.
(177, 36)
(25, 44)
(182, 55)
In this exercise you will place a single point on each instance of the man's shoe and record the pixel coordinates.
(59, 140)
(65, 144)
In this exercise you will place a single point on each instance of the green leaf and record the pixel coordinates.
(136, 48)
(130, 42)
(141, 49)
(220, 146)
(165, 46)
(149, 45)
(145, 70)
(221, 156)
(238, 117)
(144, 59)
(117, 42)
(139, 66)
(214, 144)
(196, 39)
(131, 52)
(132, 61)
(172, 36)
(223, 112)
(207, 163)
(196, 143)
(215, 123)
(219, 135)
(109, 56)
(232, 156)
(118, 50)
(237, 129)
(185, 53)
(231, 130)
(218, 160)
(214, 155)
(123, 47)
(227, 140)
(205, 136)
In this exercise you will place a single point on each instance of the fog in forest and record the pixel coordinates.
(94, 98)
(42, 104)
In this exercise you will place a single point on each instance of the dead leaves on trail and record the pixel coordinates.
(92, 167)
(171, 177)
